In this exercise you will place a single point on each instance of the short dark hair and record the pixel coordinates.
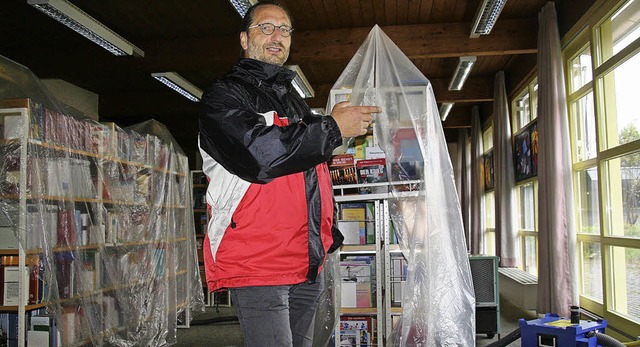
(248, 17)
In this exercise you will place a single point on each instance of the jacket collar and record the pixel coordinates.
(259, 72)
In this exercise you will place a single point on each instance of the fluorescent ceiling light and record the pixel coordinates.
(486, 17)
(85, 25)
(242, 5)
(300, 83)
(444, 110)
(179, 84)
(462, 72)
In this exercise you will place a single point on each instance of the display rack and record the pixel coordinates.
(101, 220)
(382, 249)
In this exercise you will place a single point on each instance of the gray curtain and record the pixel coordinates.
(463, 181)
(506, 229)
(557, 276)
(476, 202)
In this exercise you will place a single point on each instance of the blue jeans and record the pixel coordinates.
(277, 315)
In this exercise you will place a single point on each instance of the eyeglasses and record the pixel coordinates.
(268, 29)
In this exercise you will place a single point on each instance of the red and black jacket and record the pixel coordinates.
(270, 195)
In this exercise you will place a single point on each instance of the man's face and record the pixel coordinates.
(274, 48)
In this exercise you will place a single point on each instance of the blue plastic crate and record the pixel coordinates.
(555, 331)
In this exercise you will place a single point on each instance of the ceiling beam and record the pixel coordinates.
(418, 41)
(509, 36)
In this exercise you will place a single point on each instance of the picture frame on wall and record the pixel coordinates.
(534, 148)
(525, 153)
(488, 171)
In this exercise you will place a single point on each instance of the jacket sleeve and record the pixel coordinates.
(235, 135)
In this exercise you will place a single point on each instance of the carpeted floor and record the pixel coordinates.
(221, 329)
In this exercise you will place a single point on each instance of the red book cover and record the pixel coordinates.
(66, 227)
(33, 262)
(371, 170)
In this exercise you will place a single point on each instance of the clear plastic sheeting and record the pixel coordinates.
(100, 219)
(438, 300)
(328, 312)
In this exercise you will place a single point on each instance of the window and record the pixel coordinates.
(603, 70)
(524, 127)
(525, 106)
(489, 197)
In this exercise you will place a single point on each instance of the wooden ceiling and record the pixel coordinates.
(199, 40)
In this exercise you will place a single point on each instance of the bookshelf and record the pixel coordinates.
(100, 220)
(376, 242)
(201, 218)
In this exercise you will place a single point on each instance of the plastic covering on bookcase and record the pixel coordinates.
(103, 214)
(438, 300)
(328, 312)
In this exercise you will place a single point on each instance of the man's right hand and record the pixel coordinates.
(353, 121)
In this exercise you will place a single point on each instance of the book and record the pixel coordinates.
(66, 227)
(370, 224)
(39, 334)
(371, 170)
(9, 324)
(138, 147)
(87, 271)
(356, 331)
(142, 186)
(360, 145)
(342, 169)
(11, 293)
(123, 144)
(408, 170)
(356, 283)
(43, 285)
(37, 338)
(37, 121)
(352, 223)
(65, 274)
(33, 264)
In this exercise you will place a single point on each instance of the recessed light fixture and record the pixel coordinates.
(85, 25)
(242, 5)
(486, 17)
(444, 110)
(179, 84)
(462, 72)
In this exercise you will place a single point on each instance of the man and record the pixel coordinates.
(270, 193)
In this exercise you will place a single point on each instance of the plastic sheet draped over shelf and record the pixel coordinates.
(103, 216)
(438, 301)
